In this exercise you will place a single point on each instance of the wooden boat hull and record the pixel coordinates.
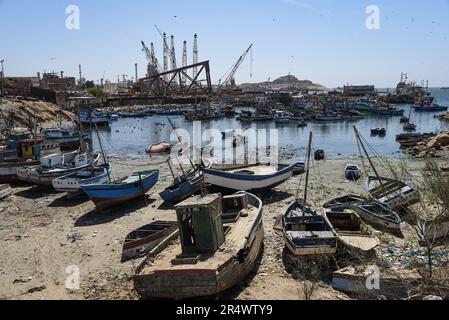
(108, 195)
(246, 182)
(351, 231)
(192, 282)
(45, 178)
(182, 191)
(8, 170)
(392, 193)
(73, 184)
(309, 242)
(344, 200)
(150, 239)
(392, 222)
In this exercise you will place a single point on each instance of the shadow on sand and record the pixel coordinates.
(96, 217)
(35, 192)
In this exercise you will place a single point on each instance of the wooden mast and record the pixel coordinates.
(309, 151)
(357, 134)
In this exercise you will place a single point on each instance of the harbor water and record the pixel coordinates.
(129, 137)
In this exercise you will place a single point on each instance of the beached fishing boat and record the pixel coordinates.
(391, 193)
(305, 231)
(351, 231)
(378, 216)
(5, 191)
(108, 195)
(352, 172)
(344, 200)
(149, 240)
(248, 178)
(182, 188)
(221, 239)
(72, 183)
(299, 168)
(159, 148)
(55, 166)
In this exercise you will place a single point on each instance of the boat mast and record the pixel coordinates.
(104, 154)
(357, 134)
(309, 151)
(179, 139)
(80, 127)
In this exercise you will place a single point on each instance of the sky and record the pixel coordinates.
(325, 41)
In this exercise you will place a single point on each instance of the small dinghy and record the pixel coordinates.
(221, 239)
(182, 188)
(378, 216)
(72, 183)
(344, 200)
(305, 231)
(391, 193)
(108, 195)
(150, 239)
(352, 172)
(299, 168)
(351, 230)
(254, 178)
(160, 148)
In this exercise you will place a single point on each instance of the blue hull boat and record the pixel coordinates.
(182, 188)
(107, 195)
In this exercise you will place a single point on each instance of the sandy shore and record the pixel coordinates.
(42, 233)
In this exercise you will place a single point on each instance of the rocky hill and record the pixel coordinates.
(285, 83)
(21, 112)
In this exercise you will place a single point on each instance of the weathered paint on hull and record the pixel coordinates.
(308, 251)
(183, 284)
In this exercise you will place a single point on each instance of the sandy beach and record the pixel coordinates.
(42, 233)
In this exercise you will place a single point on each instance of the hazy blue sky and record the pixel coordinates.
(325, 41)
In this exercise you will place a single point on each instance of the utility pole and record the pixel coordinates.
(3, 77)
(184, 62)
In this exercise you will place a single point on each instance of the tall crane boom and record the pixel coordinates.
(153, 67)
(230, 76)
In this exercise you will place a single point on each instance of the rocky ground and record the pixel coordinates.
(22, 113)
(435, 147)
(42, 234)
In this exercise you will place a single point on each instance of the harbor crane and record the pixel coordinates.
(153, 65)
(230, 75)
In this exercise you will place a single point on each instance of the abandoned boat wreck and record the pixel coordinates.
(228, 238)
(351, 231)
(305, 231)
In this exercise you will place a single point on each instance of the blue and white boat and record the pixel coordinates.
(248, 178)
(72, 183)
(108, 195)
(182, 188)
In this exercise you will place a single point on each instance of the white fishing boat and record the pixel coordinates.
(378, 216)
(55, 166)
(257, 177)
(72, 182)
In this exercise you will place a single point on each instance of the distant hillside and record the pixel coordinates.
(285, 82)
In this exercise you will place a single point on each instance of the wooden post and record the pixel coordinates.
(143, 189)
(309, 152)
